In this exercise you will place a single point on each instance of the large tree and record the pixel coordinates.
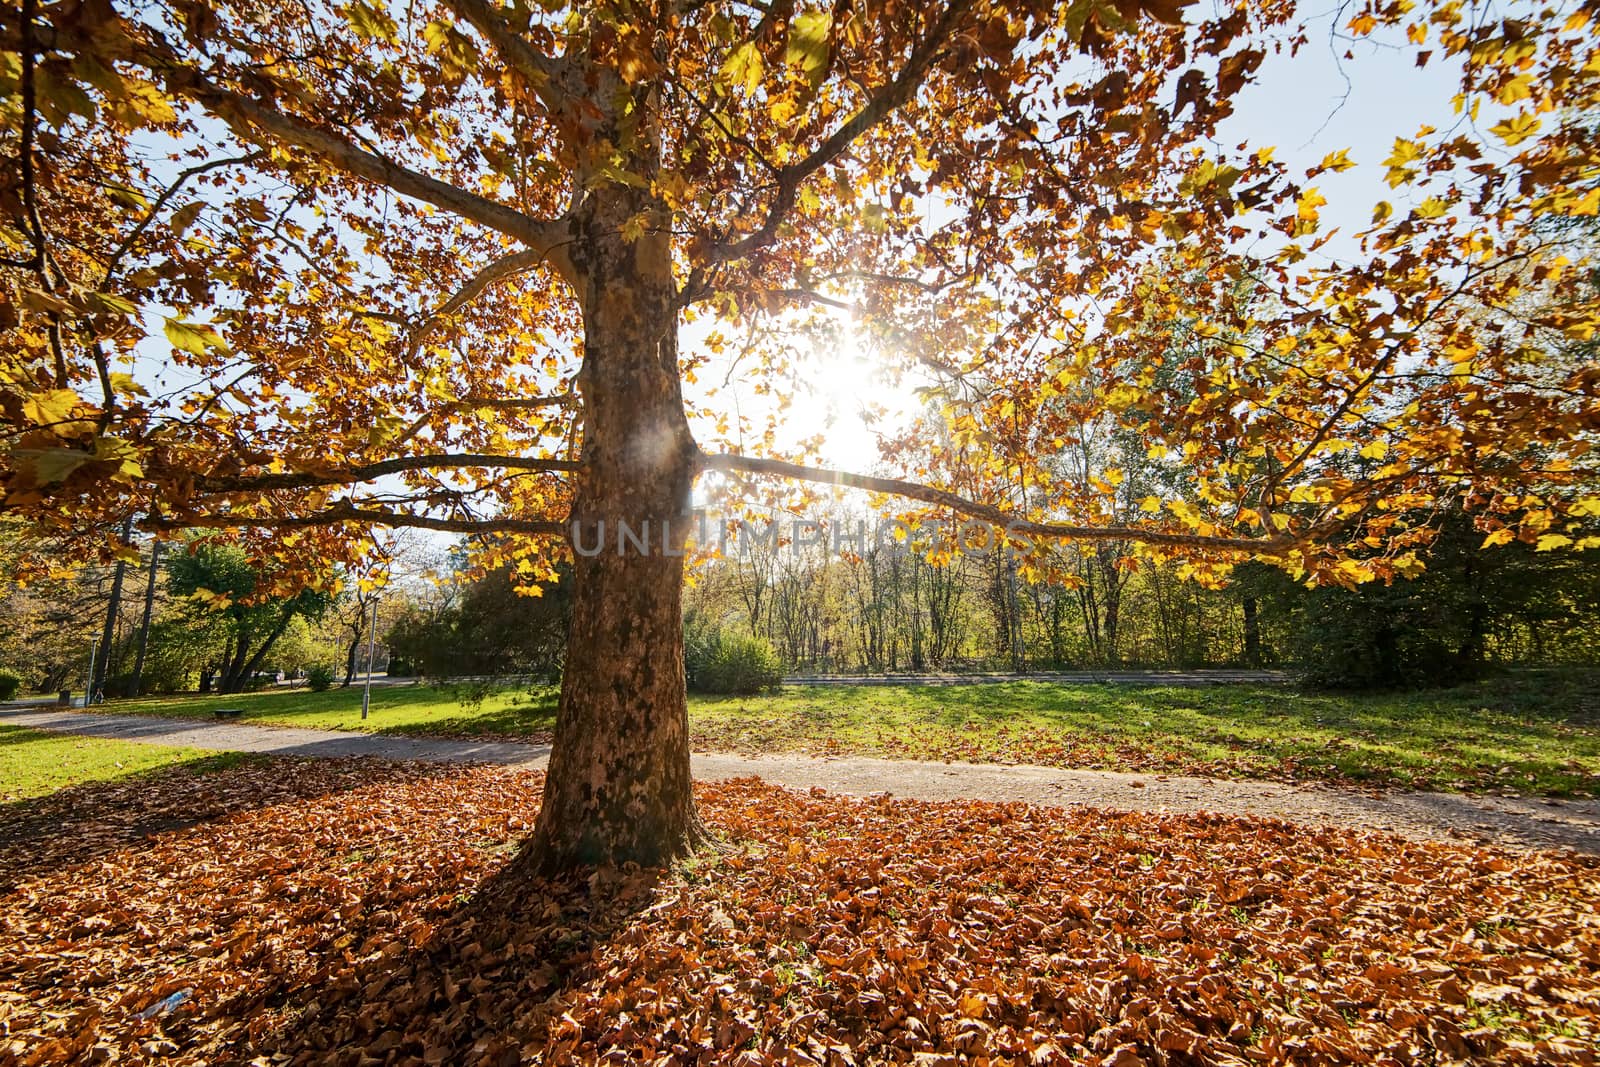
(430, 266)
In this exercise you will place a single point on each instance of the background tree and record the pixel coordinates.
(445, 254)
(229, 593)
(490, 626)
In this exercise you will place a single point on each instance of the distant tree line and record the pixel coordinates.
(214, 624)
(881, 610)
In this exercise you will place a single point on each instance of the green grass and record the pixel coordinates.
(34, 763)
(1527, 733)
(414, 710)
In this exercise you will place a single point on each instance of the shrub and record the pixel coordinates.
(10, 682)
(736, 663)
(320, 679)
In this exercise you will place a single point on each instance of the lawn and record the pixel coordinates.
(1524, 733)
(34, 764)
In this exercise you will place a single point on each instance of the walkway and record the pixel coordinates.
(1217, 676)
(1514, 822)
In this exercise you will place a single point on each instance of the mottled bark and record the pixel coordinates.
(618, 786)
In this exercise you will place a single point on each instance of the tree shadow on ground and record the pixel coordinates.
(485, 988)
(82, 823)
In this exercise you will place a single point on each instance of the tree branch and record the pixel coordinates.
(502, 268)
(995, 516)
(541, 72)
(547, 237)
(369, 471)
(514, 403)
(346, 512)
(895, 94)
(161, 202)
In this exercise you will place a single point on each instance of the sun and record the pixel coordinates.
(849, 393)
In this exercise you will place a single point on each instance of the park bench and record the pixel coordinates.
(227, 713)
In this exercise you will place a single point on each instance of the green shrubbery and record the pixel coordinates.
(717, 661)
(10, 682)
(320, 679)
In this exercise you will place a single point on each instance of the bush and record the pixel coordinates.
(320, 679)
(10, 682)
(734, 663)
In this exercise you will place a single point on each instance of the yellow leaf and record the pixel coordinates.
(807, 47)
(743, 68)
(1549, 542)
(1337, 161)
(48, 409)
(48, 465)
(1515, 130)
(194, 337)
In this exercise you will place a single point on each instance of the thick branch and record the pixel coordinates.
(502, 268)
(899, 90)
(342, 513)
(547, 237)
(367, 472)
(541, 72)
(1010, 523)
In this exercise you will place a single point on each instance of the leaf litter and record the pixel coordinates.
(364, 912)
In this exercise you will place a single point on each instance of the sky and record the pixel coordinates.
(1304, 106)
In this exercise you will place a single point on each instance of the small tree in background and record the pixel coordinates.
(228, 592)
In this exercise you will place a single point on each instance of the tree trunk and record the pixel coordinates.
(254, 664)
(232, 675)
(108, 633)
(618, 785)
(137, 684)
(350, 657)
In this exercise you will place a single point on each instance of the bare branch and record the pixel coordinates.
(367, 472)
(995, 516)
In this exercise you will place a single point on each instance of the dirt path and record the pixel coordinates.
(1521, 822)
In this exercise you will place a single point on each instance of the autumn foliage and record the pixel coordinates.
(306, 270)
(351, 237)
(341, 912)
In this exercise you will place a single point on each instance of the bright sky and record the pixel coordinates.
(1305, 107)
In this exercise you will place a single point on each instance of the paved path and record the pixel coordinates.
(1521, 822)
(1179, 678)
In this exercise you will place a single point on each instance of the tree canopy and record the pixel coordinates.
(354, 231)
